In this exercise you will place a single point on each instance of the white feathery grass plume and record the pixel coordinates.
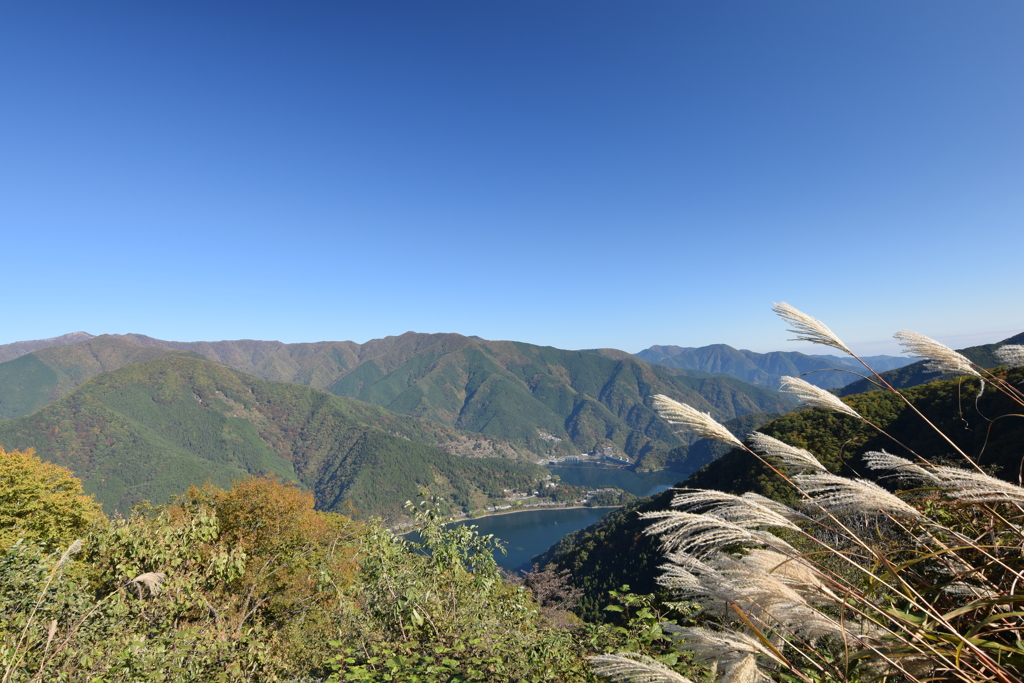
(841, 495)
(72, 550)
(677, 577)
(807, 328)
(150, 580)
(1011, 354)
(703, 535)
(903, 469)
(770, 598)
(975, 487)
(793, 572)
(688, 564)
(693, 421)
(942, 358)
(724, 647)
(630, 667)
(783, 511)
(767, 598)
(816, 397)
(788, 457)
(745, 512)
(743, 671)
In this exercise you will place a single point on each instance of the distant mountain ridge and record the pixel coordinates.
(509, 390)
(17, 349)
(916, 373)
(766, 369)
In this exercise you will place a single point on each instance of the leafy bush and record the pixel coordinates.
(41, 502)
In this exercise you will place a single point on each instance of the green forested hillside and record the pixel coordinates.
(552, 401)
(516, 390)
(36, 379)
(149, 430)
(616, 551)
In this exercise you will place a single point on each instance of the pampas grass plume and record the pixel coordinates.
(72, 550)
(941, 357)
(1011, 354)
(693, 421)
(150, 580)
(786, 456)
(809, 329)
(634, 668)
(815, 397)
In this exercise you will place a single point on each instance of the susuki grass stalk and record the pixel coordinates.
(18, 655)
(714, 540)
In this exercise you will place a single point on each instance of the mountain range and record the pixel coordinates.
(766, 369)
(549, 400)
(150, 429)
(140, 418)
(369, 425)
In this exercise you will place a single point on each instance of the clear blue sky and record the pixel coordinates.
(578, 174)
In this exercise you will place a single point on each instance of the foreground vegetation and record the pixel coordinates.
(253, 584)
(853, 581)
(917, 579)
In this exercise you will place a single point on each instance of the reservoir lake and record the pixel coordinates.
(531, 532)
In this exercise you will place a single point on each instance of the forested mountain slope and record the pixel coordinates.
(553, 401)
(916, 373)
(616, 551)
(149, 430)
(765, 369)
(36, 379)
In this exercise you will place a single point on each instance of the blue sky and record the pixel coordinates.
(579, 174)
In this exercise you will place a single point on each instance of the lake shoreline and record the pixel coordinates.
(539, 508)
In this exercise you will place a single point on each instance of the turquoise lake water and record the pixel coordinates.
(525, 534)
(529, 533)
(640, 484)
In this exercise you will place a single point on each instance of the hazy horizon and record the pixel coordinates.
(863, 348)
